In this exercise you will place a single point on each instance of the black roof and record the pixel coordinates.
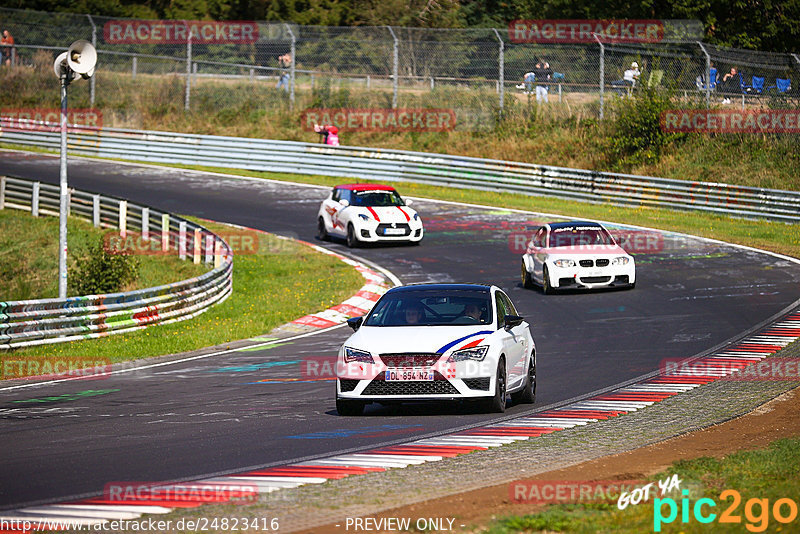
(442, 287)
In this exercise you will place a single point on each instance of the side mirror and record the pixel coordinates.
(344, 202)
(510, 321)
(355, 322)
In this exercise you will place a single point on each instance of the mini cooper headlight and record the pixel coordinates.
(364, 216)
(564, 263)
(621, 260)
(475, 353)
(355, 355)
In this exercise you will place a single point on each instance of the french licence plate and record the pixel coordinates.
(403, 375)
(394, 231)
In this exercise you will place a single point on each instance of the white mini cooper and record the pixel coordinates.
(368, 213)
(437, 342)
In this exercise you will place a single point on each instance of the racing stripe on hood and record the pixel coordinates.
(404, 213)
(459, 340)
(375, 213)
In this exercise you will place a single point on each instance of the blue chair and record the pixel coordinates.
(757, 84)
(712, 74)
(783, 85)
(744, 87)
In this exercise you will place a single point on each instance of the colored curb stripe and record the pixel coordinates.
(630, 398)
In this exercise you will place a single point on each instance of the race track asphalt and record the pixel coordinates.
(254, 408)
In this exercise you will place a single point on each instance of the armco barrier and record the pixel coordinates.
(436, 169)
(37, 322)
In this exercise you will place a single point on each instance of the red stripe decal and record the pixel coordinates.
(471, 344)
(374, 214)
(404, 213)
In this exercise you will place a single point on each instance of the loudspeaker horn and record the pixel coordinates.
(60, 65)
(82, 57)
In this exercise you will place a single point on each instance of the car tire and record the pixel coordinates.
(527, 281)
(497, 403)
(349, 408)
(547, 289)
(322, 232)
(352, 240)
(527, 395)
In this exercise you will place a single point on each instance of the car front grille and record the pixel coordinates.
(595, 279)
(602, 262)
(347, 384)
(410, 359)
(383, 227)
(438, 386)
(586, 263)
(478, 383)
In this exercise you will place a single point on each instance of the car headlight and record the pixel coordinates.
(564, 263)
(355, 355)
(364, 216)
(475, 353)
(621, 260)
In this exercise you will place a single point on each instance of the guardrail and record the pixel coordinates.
(406, 166)
(36, 322)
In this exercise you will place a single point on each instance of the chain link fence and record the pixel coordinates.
(255, 69)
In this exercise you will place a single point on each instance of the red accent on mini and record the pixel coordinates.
(404, 213)
(366, 187)
(374, 213)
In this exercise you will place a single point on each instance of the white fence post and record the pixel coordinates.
(2, 192)
(196, 246)
(133, 68)
(146, 224)
(182, 240)
(96, 210)
(123, 218)
(217, 253)
(165, 232)
(209, 247)
(35, 199)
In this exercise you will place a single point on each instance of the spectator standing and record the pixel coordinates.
(285, 61)
(8, 47)
(543, 73)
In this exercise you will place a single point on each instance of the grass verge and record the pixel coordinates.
(29, 257)
(284, 280)
(760, 477)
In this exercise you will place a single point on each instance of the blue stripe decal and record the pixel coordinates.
(457, 341)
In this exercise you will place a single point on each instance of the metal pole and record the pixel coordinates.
(292, 68)
(796, 59)
(708, 74)
(94, 44)
(394, 68)
(602, 72)
(64, 199)
(502, 68)
(133, 68)
(188, 69)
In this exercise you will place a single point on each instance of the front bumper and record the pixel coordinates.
(592, 277)
(374, 232)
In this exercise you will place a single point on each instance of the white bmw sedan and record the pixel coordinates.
(368, 213)
(437, 342)
(576, 254)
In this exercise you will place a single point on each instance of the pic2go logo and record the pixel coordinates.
(756, 511)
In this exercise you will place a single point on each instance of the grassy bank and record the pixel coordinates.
(765, 476)
(565, 134)
(284, 280)
(29, 257)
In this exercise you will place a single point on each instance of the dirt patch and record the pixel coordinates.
(779, 418)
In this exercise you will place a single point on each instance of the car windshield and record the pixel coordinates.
(377, 198)
(432, 308)
(575, 236)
